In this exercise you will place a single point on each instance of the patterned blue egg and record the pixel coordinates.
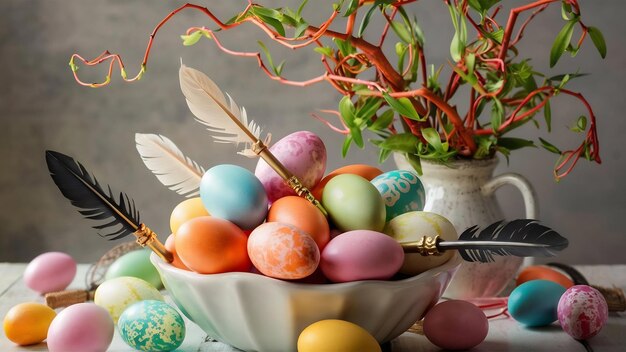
(402, 191)
(152, 326)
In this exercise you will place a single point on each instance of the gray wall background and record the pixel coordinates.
(41, 107)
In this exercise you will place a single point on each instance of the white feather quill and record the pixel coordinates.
(173, 169)
(204, 98)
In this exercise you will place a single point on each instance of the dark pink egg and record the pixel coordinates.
(303, 153)
(582, 311)
(456, 325)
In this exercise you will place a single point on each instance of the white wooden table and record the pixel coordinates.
(504, 333)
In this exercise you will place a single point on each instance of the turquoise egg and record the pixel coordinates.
(233, 193)
(534, 303)
(353, 203)
(136, 264)
(152, 326)
(402, 192)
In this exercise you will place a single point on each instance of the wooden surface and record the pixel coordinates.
(504, 333)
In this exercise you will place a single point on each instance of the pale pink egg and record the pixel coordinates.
(283, 251)
(79, 328)
(582, 311)
(49, 272)
(303, 153)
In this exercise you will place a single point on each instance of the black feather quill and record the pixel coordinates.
(117, 218)
(522, 238)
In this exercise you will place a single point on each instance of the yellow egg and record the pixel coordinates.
(186, 210)
(336, 335)
(28, 323)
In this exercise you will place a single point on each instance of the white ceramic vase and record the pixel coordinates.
(463, 192)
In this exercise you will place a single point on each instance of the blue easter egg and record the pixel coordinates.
(402, 192)
(233, 193)
(534, 303)
(152, 326)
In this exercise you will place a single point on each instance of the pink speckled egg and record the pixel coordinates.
(79, 328)
(283, 251)
(49, 272)
(303, 153)
(361, 255)
(582, 311)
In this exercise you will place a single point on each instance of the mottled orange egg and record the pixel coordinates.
(209, 245)
(186, 210)
(300, 213)
(283, 251)
(366, 171)
(28, 323)
(170, 245)
(538, 272)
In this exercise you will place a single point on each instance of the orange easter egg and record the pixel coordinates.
(300, 213)
(283, 251)
(209, 245)
(366, 171)
(186, 210)
(170, 246)
(538, 272)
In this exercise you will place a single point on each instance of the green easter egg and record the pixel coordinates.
(135, 264)
(353, 203)
(152, 326)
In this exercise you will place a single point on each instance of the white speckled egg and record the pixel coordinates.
(402, 192)
(414, 225)
(582, 311)
(303, 153)
(152, 326)
(117, 294)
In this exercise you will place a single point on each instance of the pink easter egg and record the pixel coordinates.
(582, 311)
(303, 153)
(79, 328)
(49, 272)
(456, 325)
(283, 251)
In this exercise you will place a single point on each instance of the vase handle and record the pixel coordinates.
(528, 193)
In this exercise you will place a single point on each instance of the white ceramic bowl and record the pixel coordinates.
(257, 313)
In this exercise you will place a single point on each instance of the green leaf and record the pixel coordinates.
(357, 136)
(326, 51)
(270, 61)
(346, 109)
(415, 162)
(270, 17)
(547, 114)
(193, 38)
(561, 41)
(401, 50)
(581, 125)
(404, 142)
(401, 31)
(598, 40)
(497, 114)
(383, 155)
(366, 20)
(403, 106)
(470, 61)
(345, 48)
(566, 10)
(419, 34)
(432, 137)
(369, 108)
(514, 143)
(346, 145)
(300, 8)
(485, 144)
(288, 20)
(354, 4)
(549, 146)
(383, 121)
(300, 28)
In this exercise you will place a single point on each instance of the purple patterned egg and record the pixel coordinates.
(582, 311)
(303, 153)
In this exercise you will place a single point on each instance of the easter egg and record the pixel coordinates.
(534, 303)
(152, 326)
(538, 272)
(302, 214)
(336, 335)
(49, 272)
(303, 153)
(414, 225)
(209, 245)
(361, 255)
(283, 251)
(456, 325)
(170, 245)
(81, 327)
(136, 264)
(354, 204)
(582, 311)
(233, 193)
(366, 171)
(28, 323)
(117, 294)
(402, 192)
(186, 210)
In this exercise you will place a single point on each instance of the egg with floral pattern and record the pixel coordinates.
(402, 192)
(152, 326)
(582, 311)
